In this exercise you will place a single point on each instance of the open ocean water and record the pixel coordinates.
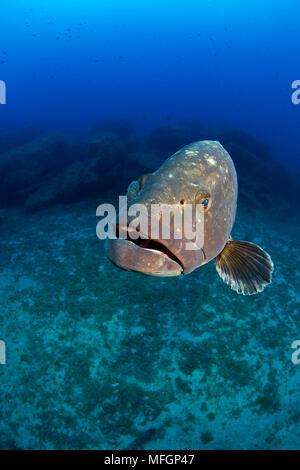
(93, 96)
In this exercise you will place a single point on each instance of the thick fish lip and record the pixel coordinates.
(187, 259)
(129, 256)
(157, 246)
(161, 246)
(163, 257)
(145, 255)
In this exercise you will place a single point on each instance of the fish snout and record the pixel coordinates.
(132, 257)
(166, 257)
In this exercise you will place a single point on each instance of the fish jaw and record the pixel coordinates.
(189, 255)
(127, 255)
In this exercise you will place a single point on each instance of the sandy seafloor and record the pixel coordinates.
(99, 358)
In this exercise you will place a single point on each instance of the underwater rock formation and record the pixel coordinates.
(55, 168)
(122, 129)
(149, 161)
(25, 168)
(96, 173)
(167, 139)
(9, 140)
(260, 175)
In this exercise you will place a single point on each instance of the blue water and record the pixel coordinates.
(219, 63)
(97, 94)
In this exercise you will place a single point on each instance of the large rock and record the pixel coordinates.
(243, 140)
(264, 182)
(122, 129)
(55, 169)
(25, 168)
(102, 170)
(167, 139)
(11, 139)
(149, 162)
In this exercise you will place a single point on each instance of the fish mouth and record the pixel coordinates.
(144, 255)
(158, 247)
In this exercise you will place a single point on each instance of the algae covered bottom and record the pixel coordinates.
(99, 358)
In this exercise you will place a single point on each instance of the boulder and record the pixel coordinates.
(24, 168)
(103, 170)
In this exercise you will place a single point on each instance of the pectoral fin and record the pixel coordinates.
(246, 267)
(136, 186)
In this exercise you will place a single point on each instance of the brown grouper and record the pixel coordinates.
(201, 173)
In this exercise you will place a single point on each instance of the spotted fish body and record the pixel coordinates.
(201, 171)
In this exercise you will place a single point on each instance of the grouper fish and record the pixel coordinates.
(202, 174)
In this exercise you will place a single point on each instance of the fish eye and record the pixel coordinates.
(205, 202)
(203, 198)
